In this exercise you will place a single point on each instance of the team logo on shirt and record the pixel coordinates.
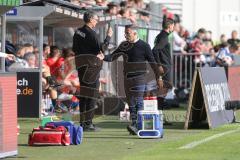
(81, 33)
(125, 46)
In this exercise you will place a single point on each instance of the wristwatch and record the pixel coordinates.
(160, 78)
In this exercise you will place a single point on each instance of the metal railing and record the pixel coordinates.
(183, 69)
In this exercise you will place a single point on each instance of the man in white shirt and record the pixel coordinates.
(178, 42)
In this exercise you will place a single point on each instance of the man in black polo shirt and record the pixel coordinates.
(135, 53)
(88, 53)
(234, 40)
(162, 54)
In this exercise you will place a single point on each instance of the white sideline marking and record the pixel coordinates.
(196, 143)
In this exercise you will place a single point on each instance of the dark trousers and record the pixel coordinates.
(88, 96)
(167, 85)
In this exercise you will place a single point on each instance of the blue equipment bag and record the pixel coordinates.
(76, 132)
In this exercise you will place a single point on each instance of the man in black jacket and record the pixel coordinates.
(162, 54)
(88, 53)
(135, 53)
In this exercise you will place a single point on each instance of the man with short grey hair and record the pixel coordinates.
(31, 59)
(88, 58)
(136, 54)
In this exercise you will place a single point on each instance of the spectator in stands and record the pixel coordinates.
(130, 3)
(36, 53)
(207, 43)
(177, 18)
(88, 61)
(35, 50)
(129, 14)
(31, 59)
(222, 43)
(184, 33)
(178, 42)
(207, 47)
(102, 3)
(201, 33)
(54, 63)
(225, 55)
(123, 4)
(46, 69)
(46, 51)
(205, 54)
(133, 16)
(139, 4)
(67, 75)
(233, 49)
(54, 60)
(197, 43)
(145, 18)
(20, 52)
(125, 13)
(112, 9)
(48, 83)
(208, 37)
(234, 39)
(223, 38)
(135, 53)
(19, 62)
(28, 48)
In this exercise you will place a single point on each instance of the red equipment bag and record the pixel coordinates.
(49, 136)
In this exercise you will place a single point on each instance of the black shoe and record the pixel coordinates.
(91, 128)
(132, 130)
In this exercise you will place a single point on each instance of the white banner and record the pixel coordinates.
(230, 18)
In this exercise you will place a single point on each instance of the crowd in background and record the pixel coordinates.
(59, 75)
(209, 52)
(136, 11)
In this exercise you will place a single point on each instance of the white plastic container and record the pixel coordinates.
(150, 104)
(150, 124)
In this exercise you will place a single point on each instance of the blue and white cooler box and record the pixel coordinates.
(150, 124)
